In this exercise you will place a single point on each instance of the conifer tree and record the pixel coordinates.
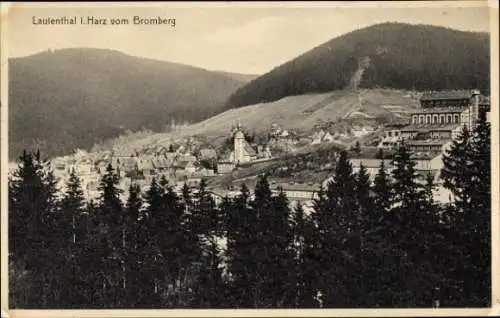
(337, 221)
(263, 212)
(467, 174)
(303, 231)
(481, 214)
(242, 252)
(457, 167)
(277, 263)
(32, 209)
(175, 259)
(413, 228)
(148, 238)
(380, 264)
(382, 190)
(72, 233)
(364, 227)
(210, 287)
(133, 228)
(110, 217)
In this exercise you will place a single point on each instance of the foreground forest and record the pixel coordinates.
(382, 245)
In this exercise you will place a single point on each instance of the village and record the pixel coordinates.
(428, 133)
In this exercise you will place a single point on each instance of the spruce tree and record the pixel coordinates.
(364, 228)
(380, 262)
(457, 167)
(278, 262)
(481, 214)
(110, 217)
(32, 209)
(148, 251)
(339, 243)
(176, 264)
(242, 252)
(210, 287)
(133, 229)
(72, 233)
(305, 273)
(413, 226)
(467, 174)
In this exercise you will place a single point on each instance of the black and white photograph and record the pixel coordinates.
(231, 155)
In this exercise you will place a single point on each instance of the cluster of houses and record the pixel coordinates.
(177, 167)
(430, 130)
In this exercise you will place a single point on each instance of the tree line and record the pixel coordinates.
(366, 243)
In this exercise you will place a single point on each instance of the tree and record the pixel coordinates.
(467, 174)
(32, 207)
(110, 240)
(365, 221)
(357, 148)
(175, 259)
(275, 237)
(131, 238)
(380, 267)
(210, 286)
(72, 233)
(413, 234)
(336, 217)
(457, 167)
(380, 154)
(242, 252)
(148, 238)
(303, 246)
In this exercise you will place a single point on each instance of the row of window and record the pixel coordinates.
(436, 119)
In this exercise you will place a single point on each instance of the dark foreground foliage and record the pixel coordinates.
(380, 244)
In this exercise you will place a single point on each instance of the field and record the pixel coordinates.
(300, 113)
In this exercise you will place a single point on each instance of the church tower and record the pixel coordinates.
(239, 145)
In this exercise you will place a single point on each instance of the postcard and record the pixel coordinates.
(233, 159)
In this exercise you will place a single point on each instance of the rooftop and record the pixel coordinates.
(292, 186)
(369, 162)
(249, 149)
(427, 142)
(443, 95)
(435, 110)
(430, 127)
(425, 155)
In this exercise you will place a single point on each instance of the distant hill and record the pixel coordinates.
(389, 55)
(73, 98)
(244, 78)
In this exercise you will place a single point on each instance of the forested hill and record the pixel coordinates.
(389, 55)
(73, 98)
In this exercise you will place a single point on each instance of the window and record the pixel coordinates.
(457, 118)
(441, 119)
(421, 120)
(390, 133)
(448, 119)
(428, 119)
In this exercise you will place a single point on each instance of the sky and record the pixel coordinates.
(244, 38)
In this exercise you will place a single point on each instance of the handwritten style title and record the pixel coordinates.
(93, 20)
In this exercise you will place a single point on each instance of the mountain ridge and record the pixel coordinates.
(71, 98)
(393, 55)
